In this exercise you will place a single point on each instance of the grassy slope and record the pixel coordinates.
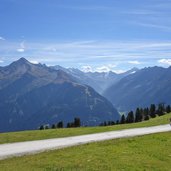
(56, 133)
(147, 153)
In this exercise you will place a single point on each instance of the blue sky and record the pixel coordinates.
(95, 35)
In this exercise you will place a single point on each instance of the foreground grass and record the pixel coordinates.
(146, 153)
(58, 133)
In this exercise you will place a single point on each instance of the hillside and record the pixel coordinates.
(146, 86)
(31, 95)
(66, 132)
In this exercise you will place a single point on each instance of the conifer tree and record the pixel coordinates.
(123, 119)
(46, 127)
(60, 124)
(77, 122)
(161, 109)
(109, 123)
(105, 123)
(41, 127)
(168, 109)
(69, 124)
(112, 122)
(138, 115)
(130, 117)
(53, 126)
(146, 114)
(146, 117)
(117, 122)
(153, 110)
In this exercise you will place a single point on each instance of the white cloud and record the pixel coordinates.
(1, 38)
(134, 62)
(22, 47)
(103, 68)
(119, 71)
(165, 61)
(86, 68)
(20, 50)
(34, 62)
(93, 53)
(107, 68)
(1, 61)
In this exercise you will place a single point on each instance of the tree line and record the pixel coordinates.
(76, 123)
(139, 115)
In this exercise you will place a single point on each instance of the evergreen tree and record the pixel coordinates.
(46, 127)
(130, 117)
(138, 115)
(53, 126)
(146, 117)
(60, 124)
(77, 122)
(117, 122)
(41, 127)
(109, 123)
(69, 124)
(123, 120)
(141, 111)
(112, 122)
(153, 110)
(146, 113)
(161, 109)
(105, 123)
(168, 109)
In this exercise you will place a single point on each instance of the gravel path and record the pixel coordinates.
(32, 147)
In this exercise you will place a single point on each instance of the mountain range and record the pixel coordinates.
(34, 94)
(144, 87)
(132, 89)
(100, 81)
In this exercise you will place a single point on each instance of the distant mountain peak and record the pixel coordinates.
(134, 69)
(20, 62)
(131, 71)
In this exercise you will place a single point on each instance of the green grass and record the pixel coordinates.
(145, 153)
(57, 133)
